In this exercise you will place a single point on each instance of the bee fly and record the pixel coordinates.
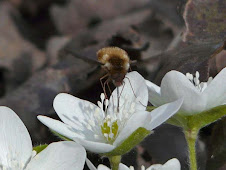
(116, 62)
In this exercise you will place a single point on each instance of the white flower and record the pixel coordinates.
(172, 164)
(16, 148)
(102, 128)
(197, 96)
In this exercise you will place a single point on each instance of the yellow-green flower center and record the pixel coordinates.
(109, 130)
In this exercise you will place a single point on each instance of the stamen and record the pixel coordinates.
(197, 74)
(209, 80)
(108, 117)
(102, 97)
(201, 86)
(106, 103)
(196, 81)
(142, 167)
(100, 104)
(111, 124)
(111, 135)
(189, 76)
(105, 135)
(131, 168)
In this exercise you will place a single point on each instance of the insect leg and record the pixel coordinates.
(109, 87)
(103, 84)
(122, 87)
(118, 99)
(133, 91)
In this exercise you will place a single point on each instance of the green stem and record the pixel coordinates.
(191, 136)
(115, 161)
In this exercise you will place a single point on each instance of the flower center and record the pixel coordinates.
(114, 121)
(109, 130)
(109, 126)
(201, 86)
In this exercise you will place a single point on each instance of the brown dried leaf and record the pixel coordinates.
(36, 95)
(19, 57)
(88, 42)
(205, 20)
(53, 47)
(188, 58)
(77, 15)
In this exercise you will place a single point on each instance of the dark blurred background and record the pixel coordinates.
(161, 35)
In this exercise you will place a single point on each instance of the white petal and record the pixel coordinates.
(74, 111)
(123, 167)
(172, 164)
(175, 85)
(95, 147)
(162, 113)
(90, 165)
(134, 88)
(169, 165)
(139, 119)
(216, 91)
(59, 127)
(15, 141)
(103, 167)
(58, 156)
(155, 167)
(154, 94)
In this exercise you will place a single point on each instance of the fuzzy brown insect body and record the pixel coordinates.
(116, 62)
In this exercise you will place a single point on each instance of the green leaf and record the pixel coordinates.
(39, 148)
(199, 120)
(207, 117)
(60, 136)
(135, 138)
(178, 120)
(150, 108)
